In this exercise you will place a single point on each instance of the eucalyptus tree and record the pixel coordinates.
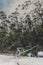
(4, 29)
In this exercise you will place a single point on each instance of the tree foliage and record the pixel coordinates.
(18, 32)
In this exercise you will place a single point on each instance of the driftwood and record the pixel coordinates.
(20, 53)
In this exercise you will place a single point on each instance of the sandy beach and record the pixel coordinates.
(11, 60)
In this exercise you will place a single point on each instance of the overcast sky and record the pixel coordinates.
(6, 5)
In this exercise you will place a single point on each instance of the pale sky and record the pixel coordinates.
(6, 5)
